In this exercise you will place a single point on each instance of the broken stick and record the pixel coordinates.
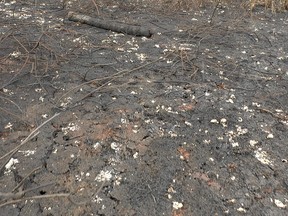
(113, 26)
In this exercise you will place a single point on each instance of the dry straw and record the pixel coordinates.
(274, 5)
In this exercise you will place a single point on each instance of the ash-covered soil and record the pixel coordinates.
(192, 121)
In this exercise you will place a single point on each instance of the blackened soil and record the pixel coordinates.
(192, 121)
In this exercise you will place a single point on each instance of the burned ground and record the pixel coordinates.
(192, 121)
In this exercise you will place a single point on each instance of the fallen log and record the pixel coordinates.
(113, 26)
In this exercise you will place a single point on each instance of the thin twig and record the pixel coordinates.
(113, 77)
(21, 193)
(11, 154)
(85, 202)
(37, 187)
(13, 151)
(213, 13)
(37, 43)
(21, 44)
(11, 80)
(6, 36)
(16, 116)
(119, 74)
(29, 137)
(280, 116)
(27, 176)
(35, 197)
(5, 98)
(96, 6)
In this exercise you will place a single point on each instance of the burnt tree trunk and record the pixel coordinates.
(108, 25)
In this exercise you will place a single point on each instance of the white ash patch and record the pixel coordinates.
(7, 91)
(9, 126)
(141, 56)
(115, 146)
(263, 157)
(246, 109)
(39, 90)
(135, 155)
(97, 145)
(15, 54)
(123, 121)
(44, 116)
(253, 142)
(10, 165)
(164, 108)
(28, 152)
(97, 199)
(71, 127)
(41, 98)
(234, 134)
(66, 101)
(188, 123)
(240, 209)
(279, 203)
(177, 205)
(270, 136)
(104, 176)
(214, 121)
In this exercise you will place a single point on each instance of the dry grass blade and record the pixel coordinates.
(274, 5)
(14, 115)
(178, 5)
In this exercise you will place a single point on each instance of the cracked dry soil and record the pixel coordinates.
(192, 121)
